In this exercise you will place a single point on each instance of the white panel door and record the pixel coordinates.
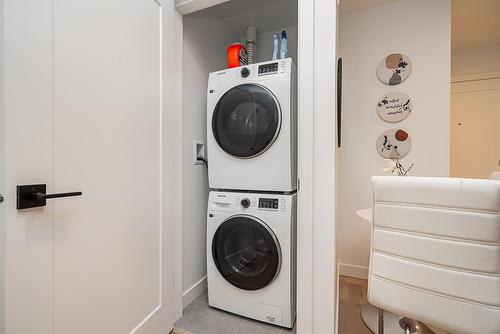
(26, 249)
(475, 128)
(83, 112)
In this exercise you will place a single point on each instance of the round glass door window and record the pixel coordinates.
(246, 253)
(246, 120)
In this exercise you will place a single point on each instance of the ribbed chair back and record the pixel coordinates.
(435, 254)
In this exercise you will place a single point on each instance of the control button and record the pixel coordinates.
(283, 200)
(245, 202)
(245, 72)
(282, 208)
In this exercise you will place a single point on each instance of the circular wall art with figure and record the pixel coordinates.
(394, 143)
(394, 69)
(394, 107)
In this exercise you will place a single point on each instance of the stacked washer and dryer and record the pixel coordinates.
(251, 220)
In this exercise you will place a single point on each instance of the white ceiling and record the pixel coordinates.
(266, 15)
(475, 24)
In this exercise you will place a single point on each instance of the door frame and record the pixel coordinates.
(2, 175)
(316, 253)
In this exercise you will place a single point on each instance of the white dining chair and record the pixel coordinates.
(435, 252)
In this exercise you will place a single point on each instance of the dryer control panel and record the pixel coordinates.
(268, 68)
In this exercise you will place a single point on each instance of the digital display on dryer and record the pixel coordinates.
(268, 68)
(268, 203)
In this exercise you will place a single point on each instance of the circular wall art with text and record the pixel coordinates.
(394, 69)
(394, 107)
(394, 143)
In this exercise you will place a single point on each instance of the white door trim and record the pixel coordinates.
(2, 176)
(316, 274)
(173, 35)
(305, 215)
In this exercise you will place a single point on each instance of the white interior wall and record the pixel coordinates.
(421, 30)
(204, 51)
(475, 61)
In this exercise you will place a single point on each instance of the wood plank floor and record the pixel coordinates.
(352, 295)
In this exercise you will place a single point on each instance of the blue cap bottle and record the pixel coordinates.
(284, 47)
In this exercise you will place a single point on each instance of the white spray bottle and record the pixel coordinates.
(276, 46)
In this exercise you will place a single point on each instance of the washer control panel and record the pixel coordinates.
(268, 203)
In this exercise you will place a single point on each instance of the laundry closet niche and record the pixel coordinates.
(206, 36)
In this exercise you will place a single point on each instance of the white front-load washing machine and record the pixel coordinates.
(251, 240)
(252, 127)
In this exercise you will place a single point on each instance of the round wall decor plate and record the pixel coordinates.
(394, 107)
(394, 69)
(394, 143)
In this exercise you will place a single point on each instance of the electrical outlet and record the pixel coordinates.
(199, 154)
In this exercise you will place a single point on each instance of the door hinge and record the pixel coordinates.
(298, 184)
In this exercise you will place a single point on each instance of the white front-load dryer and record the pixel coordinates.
(251, 255)
(252, 127)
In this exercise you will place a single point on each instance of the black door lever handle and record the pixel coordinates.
(41, 196)
(34, 195)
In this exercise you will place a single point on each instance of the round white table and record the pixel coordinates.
(369, 313)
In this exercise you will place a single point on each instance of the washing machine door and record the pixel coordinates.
(246, 121)
(246, 252)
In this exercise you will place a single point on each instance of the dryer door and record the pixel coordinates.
(246, 120)
(246, 252)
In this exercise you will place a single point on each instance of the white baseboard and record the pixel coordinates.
(190, 294)
(353, 270)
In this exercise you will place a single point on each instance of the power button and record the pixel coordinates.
(245, 72)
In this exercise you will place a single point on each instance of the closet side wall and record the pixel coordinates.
(204, 51)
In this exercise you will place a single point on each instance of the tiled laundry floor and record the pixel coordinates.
(199, 318)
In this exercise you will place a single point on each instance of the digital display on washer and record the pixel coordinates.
(268, 203)
(268, 68)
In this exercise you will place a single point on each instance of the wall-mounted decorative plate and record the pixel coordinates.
(394, 107)
(394, 69)
(394, 143)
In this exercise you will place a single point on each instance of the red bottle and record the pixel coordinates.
(236, 55)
